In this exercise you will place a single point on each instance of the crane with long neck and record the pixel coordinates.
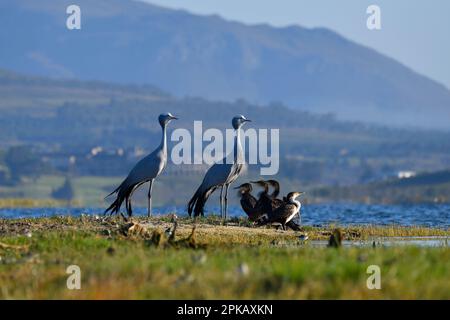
(220, 175)
(146, 170)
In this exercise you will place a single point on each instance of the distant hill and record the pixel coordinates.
(126, 41)
(59, 118)
(426, 187)
(42, 111)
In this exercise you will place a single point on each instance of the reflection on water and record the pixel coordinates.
(317, 215)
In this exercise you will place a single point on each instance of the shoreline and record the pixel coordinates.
(213, 223)
(139, 260)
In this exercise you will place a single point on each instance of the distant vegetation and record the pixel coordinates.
(106, 128)
(66, 192)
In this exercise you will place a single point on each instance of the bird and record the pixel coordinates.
(248, 201)
(268, 203)
(220, 175)
(335, 240)
(295, 223)
(276, 188)
(285, 212)
(146, 170)
(170, 231)
(264, 202)
(304, 237)
(188, 242)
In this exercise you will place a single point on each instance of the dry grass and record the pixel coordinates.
(120, 261)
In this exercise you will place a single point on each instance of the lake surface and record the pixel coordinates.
(316, 215)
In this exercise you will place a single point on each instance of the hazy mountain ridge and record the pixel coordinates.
(185, 54)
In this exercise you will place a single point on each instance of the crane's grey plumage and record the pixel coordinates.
(146, 170)
(220, 175)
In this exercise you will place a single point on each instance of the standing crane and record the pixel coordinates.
(146, 170)
(220, 175)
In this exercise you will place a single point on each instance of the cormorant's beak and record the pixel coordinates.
(247, 120)
(173, 118)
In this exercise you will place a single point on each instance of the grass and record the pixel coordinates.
(118, 263)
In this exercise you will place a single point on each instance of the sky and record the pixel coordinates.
(414, 32)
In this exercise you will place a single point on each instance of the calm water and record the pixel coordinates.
(420, 215)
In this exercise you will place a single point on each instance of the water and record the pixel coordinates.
(429, 241)
(315, 215)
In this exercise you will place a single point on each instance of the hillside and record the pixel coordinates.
(184, 54)
(75, 116)
(56, 119)
(426, 187)
(71, 112)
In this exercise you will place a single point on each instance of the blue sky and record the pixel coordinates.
(414, 32)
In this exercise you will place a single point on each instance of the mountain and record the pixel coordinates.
(126, 41)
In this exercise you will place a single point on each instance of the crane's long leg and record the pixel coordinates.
(221, 202)
(129, 208)
(150, 199)
(226, 201)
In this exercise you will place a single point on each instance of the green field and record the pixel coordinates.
(235, 261)
(89, 191)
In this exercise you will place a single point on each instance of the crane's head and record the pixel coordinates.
(244, 188)
(165, 118)
(238, 121)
